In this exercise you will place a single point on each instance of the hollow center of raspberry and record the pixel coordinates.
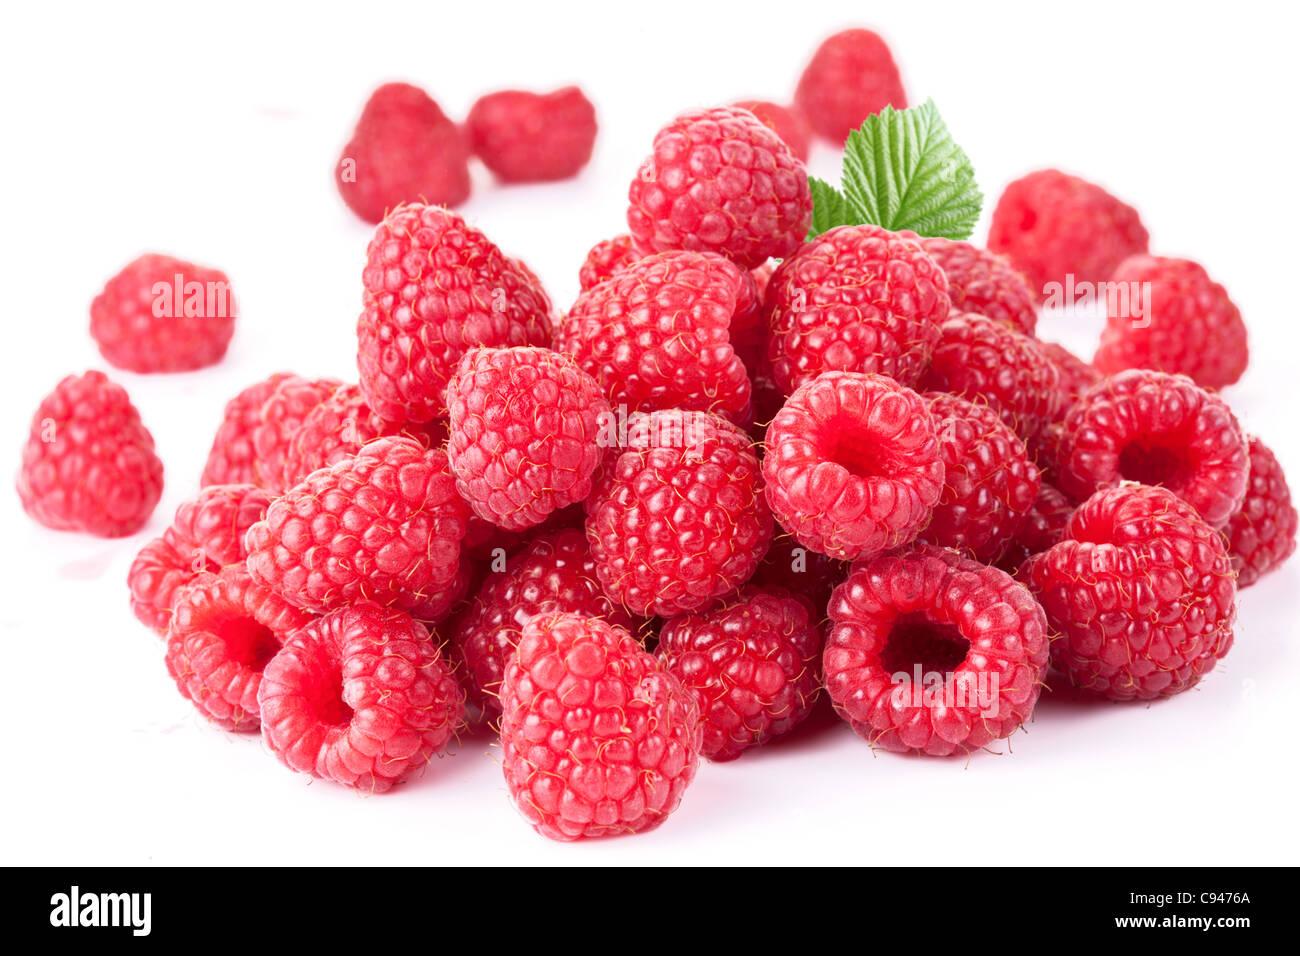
(916, 641)
(1151, 464)
(325, 700)
(247, 642)
(856, 452)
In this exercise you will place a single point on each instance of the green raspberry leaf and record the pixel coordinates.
(902, 170)
(830, 208)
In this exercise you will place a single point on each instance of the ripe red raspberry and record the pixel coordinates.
(799, 570)
(89, 463)
(1262, 531)
(989, 484)
(384, 526)
(657, 335)
(598, 739)
(606, 258)
(934, 653)
(1074, 375)
(404, 148)
(985, 283)
(720, 181)
(206, 534)
(1052, 225)
(678, 517)
(1141, 591)
(1157, 429)
(855, 299)
(224, 628)
(787, 123)
(752, 663)
(1189, 325)
(554, 572)
(852, 465)
(987, 361)
(291, 401)
(1043, 527)
(232, 458)
(528, 137)
(161, 314)
(435, 287)
(851, 76)
(361, 696)
(525, 425)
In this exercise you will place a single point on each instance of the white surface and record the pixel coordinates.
(212, 135)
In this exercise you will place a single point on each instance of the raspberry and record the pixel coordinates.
(232, 460)
(678, 517)
(361, 696)
(1074, 375)
(855, 299)
(533, 137)
(524, 430)
(1053, 226)
(554, 572)
(606, 258)
(161, 314)
(404, 148)
(752, 663)
(598, 739)
(384, 526)
(985, 283)
(989, 484)
(720, 181)
(852, 464)
(292, 400)
(1157, 429)
(657, 335)
(1189, 325)
(934, 653)
(785, 122)
(224, 628)
(206, 534)
(851, 76)
(1042, 528)
(799, 570)
(435, 287)
(89, 463)
(986, 361)
(1261, 532)
(1141, 591)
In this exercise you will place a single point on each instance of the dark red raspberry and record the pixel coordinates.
(161, 314)
(232, 459)
(657, 335)
(1168, 314)
(1074, 375)
(283, 414)
(855, 299)
(753, 664)
(224, 628)
(934, 653)
(784, 121)
(720, 181)
(985, 283)
(361, 696)
(851, 76)
(528, 137)
(89, 463)
(384, 526)
(1262, 531)
(678, 517)
(525, 424)
(1157, 429)
(852, 465)
(1042, 528)
(1052, 225)
(1141, 591)
(404, 148)
(987, 361)
(606, 258)
(554, 572)
(989, 484)
(435, 287)
(206, 534)
(598, 739)
(799, 570)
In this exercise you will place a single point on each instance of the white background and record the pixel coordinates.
(211, 135)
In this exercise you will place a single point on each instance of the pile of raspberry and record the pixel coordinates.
(744, 471)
